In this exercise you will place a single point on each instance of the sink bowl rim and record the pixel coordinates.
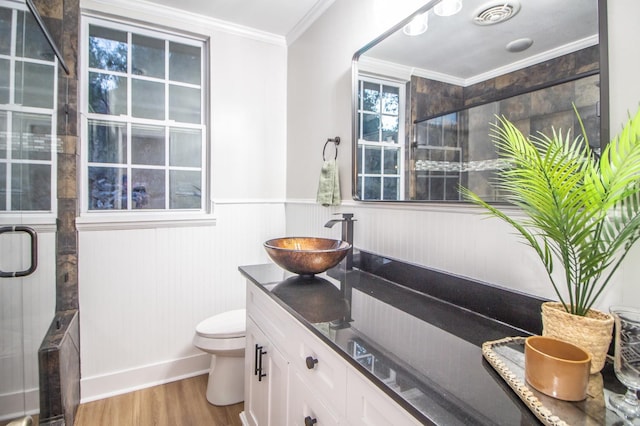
(342, 246)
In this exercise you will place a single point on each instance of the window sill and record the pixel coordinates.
(120, 221)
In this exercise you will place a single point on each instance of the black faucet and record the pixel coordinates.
(347, 234)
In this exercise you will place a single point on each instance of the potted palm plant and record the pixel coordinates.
(578, 211)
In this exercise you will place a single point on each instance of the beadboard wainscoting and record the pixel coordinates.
(28, 309)
(456, 239)
(142, 292)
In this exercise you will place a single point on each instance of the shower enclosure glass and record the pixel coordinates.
(28, 146)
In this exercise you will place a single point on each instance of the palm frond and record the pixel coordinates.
(584, 213)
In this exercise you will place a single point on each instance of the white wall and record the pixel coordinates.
(457, 240)
(144, 288)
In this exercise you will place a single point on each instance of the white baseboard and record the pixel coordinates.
(120, 382)
(243, 419)
(18, 404)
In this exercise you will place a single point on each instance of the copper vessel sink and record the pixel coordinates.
(306, 255)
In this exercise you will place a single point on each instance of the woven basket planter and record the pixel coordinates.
(592, 332)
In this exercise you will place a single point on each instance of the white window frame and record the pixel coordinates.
(400, 145)
(9, 216)
(130, 215)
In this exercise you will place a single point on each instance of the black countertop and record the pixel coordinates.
(423, 351)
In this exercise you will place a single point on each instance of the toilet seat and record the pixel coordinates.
(227, 325)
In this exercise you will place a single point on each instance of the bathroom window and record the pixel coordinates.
(380, 132)
(144, 119)
(28, 87)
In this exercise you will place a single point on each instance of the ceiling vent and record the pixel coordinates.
(496, 12)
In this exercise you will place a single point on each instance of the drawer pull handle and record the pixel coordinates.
(257, 371)
(311, 362)
(261, 375)
(308, 421)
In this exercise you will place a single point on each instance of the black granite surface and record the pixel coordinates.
(415, 333)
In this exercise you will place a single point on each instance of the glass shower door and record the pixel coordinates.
(28, 119)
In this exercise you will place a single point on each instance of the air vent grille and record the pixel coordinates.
(495, 14)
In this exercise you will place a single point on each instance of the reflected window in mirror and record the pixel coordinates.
(381, 148)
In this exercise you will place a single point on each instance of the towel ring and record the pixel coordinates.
(336, 141)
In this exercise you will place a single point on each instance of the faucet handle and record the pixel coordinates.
(345, 216)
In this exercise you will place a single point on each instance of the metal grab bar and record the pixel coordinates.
(34, 251)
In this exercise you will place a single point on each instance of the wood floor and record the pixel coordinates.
(181, 403)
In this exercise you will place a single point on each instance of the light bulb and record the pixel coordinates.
(447, 7)
(417, 26)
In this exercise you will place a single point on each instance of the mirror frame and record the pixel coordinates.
(603, 42)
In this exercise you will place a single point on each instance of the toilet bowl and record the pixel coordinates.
(223, 336)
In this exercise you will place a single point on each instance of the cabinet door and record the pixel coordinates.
(305, 408)
(266, 375)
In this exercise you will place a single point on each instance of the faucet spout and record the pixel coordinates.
(347, 234)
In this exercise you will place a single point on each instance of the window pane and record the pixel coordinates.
(390, 100)
(30, 187)
(4, 80)
(3, 186)
(184, 104)
(107, 49)
(3, 135)
(5, 31)
(390, 128)
(31, 42)
(391, 161)
(371, 188)
(147, 145)
(107, 94)
(371, 97)
(390, 191)
(34, 85)
(147, 56)
(370, 127)
(372, 160)
(32, 137)
(185, 188)
(107, 188)
(147, 99)
(434, 132)
(107, 142)
(147, 191)
(185, 148)
(184, 63)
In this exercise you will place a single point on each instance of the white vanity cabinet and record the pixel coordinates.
(305, 382)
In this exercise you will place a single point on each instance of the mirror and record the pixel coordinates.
(423, 103)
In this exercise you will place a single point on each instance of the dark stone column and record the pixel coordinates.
(59, 354)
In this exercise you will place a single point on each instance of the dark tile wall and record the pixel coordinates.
(59, 354)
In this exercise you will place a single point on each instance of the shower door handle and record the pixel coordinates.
(34, 251)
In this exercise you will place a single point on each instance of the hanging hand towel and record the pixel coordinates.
(329, 185)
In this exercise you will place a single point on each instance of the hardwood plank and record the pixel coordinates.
(180, 403)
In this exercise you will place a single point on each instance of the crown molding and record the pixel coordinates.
(142, 10)
(403, 72)
(316, 11)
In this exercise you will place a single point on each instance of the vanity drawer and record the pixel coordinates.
(305, 408)
(319, 367)
(368, 405)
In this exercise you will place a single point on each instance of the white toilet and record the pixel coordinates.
(223, 336)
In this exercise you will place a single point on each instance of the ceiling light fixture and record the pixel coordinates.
(519, 45)
(417, 26)
(448, 7)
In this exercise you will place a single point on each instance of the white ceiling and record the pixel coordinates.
(455, 47)
(279, 17)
